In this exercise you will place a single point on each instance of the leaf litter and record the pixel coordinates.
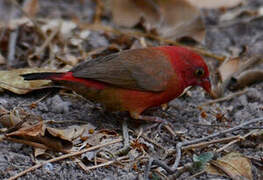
(60, 43)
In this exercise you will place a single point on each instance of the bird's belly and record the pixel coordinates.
(138, 101)
(118, 99)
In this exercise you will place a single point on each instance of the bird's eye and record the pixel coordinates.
(199, 72)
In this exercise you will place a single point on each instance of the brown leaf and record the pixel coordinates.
(12, 81)
(38, 136)
(70, 133)
(226, 70)
(10, 119)
(246, 78)
(214, 4)
(128, 13)
(170, 18)
(233, 164)
(181, 19)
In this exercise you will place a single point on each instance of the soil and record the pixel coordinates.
(222, 38)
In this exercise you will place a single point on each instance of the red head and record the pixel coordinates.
(190, 66)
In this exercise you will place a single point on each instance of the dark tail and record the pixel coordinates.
(43, 75)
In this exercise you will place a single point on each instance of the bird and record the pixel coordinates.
(136, 79)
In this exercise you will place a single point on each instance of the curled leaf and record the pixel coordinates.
(169, 18)
(12, 81)
(233, 164)
(245, 79)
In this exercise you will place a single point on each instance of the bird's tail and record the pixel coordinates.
(42, 76)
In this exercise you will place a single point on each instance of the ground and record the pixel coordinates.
(183, 113)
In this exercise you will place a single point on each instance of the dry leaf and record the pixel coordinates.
(226, 70)
(245, 79)
(39, 152)
(214, 4)
(128, 13)
(170, 18)
(38, 136)
(181, 19)
(12, 81)
(233, 164)
(9, 119)
(70, 133)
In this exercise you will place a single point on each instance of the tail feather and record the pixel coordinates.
(42, 75)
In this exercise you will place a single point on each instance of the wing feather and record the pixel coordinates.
(140, 69)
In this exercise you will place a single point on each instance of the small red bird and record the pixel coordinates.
(134, 80)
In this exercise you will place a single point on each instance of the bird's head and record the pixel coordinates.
(191, 67)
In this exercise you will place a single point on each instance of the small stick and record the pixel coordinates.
(235, 141)
(230, 96)
(12, 47)
(63, 157)
(48, 40)
(181, 144)
(106, 163)
(169, 129)
(98, 11)
(204, 144)
(36, 25)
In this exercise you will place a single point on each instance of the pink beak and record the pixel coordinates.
(207, 87)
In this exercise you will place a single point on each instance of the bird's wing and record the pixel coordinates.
(139, 69)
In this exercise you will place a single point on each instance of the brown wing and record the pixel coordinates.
(140, 69)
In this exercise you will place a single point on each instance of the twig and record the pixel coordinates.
(181, 144)
(235, 141)
(153, 142)
(98, 11)
(125, 133)
(126, 147)
(169, 129)
(230, 96)
(148, 168)
(48, 40)
(63, 157)
(195, 175)
(204, 144)
(12, 47)
(36, 25)
(106, 163)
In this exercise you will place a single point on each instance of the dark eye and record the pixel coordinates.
(199, 72)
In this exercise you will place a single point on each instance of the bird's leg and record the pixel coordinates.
(147, 118)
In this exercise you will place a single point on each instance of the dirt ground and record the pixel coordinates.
(222, 38)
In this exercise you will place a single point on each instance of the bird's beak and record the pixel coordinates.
(207, 87)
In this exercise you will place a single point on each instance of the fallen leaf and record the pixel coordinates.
(214, 4)
(170, 18)
(233, 164)
(245, 79)
(39, 152)
(9, 119)
(70, 133)
(38, 136)
(227, 69)
(180, 19)
(12, 81)
(128, 13)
